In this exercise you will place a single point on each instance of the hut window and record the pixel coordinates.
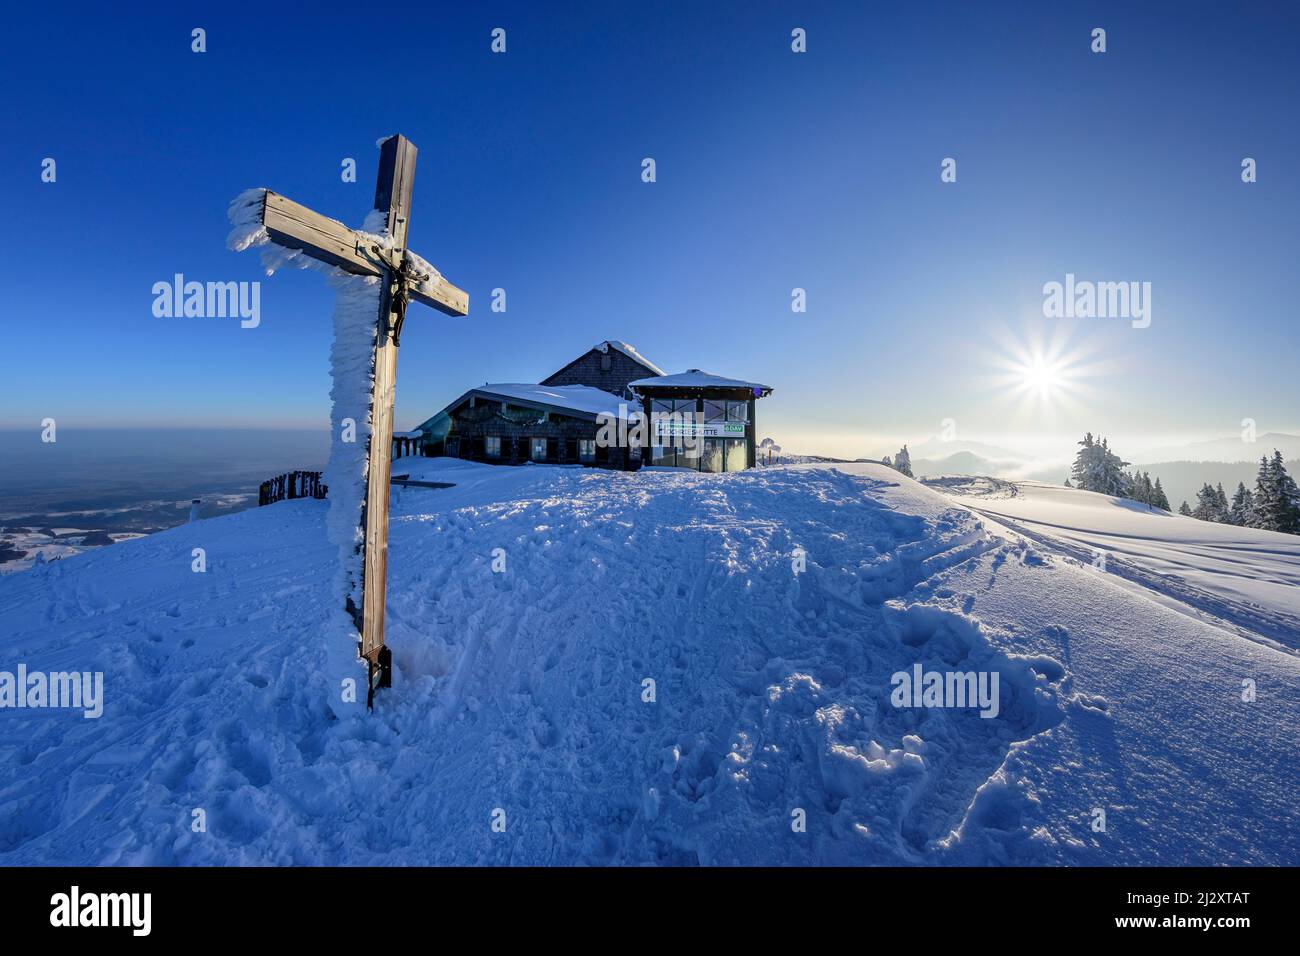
(715, 411)
(711, 456)
(737, 411)
(492, 446)
(586, 449)
(737, 454)
(664, 455)
(539, 449)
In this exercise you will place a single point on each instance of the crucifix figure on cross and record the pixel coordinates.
(403, 277)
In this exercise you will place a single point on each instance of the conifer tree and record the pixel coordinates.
(1277, 499)
(1114, 481)
(1158, 496)
(1241, 512)
(1082, 469)
(1265, 503)
(903, 462)
(1207, 505)
(1097, 468)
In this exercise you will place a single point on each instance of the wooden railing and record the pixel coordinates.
(292, 484)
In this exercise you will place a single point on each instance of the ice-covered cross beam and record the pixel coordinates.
(263, 216)
(294, 226)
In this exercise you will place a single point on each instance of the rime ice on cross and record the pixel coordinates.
(403, 276)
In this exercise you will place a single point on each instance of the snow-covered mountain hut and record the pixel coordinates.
(699, 420)
(561, 419)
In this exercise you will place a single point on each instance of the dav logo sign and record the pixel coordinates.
(669, 428)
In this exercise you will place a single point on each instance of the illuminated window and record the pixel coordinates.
(737, 454)
(711, 455)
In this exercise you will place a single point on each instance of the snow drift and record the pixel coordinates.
(528, 609)
(1240, 579)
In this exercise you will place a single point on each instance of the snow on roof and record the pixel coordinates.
(576, 398)
(630, 352)
(694, 378)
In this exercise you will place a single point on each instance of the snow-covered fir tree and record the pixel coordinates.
(1142, 489)
(1208, 505)
(903, 462)
(1184, 510)
(1159, 498)
(1242, 510)
(1084, 469)
(1277, 499)
(1097, 468)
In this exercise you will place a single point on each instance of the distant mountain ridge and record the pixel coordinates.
(1180, 479)
(938, 448)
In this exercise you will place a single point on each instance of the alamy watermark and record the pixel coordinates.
(1083, 299)
(922, 688)
(79, 690)
(75, 908)
(209, 300)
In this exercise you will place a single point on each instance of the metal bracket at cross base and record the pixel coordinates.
(379, 674)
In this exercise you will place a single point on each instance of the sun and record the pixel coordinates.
(1041, 376)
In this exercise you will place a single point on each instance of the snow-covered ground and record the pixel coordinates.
(1245, 580)
(24, 547)
(519, 692)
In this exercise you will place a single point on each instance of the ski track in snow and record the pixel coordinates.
(1199, 573)
(522, 690)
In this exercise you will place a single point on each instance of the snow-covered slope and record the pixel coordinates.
(1239, 578)
(522, 690)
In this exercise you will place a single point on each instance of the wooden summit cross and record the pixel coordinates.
(297, 227)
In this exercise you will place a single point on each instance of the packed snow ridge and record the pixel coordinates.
(531, 608)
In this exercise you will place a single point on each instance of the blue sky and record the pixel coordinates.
(775, 170)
